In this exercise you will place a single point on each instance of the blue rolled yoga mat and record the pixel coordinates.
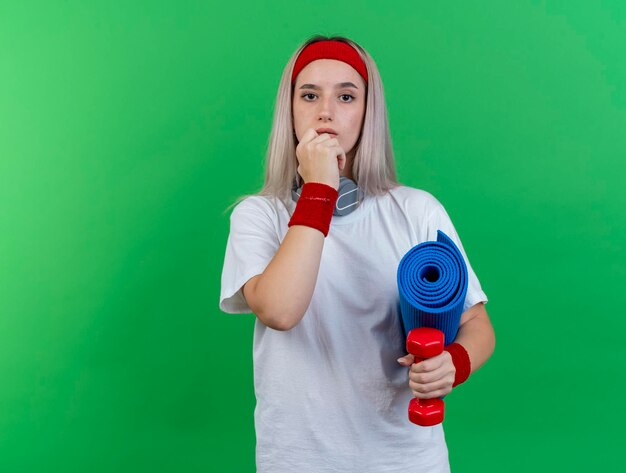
(432, 280)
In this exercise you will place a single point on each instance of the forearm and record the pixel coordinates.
(478, 338)
(286, 286)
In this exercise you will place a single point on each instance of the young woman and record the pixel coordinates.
(314, 255)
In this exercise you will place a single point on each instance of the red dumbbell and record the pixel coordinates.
(422, 343)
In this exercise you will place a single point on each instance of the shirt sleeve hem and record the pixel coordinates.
(474, 298)
(233, 301)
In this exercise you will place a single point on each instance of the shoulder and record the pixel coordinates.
(259, 214)
(414, 199)
(251, 202)
(260, 205)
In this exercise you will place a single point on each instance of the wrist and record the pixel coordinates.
(321, 182)
(461, 362)
(315, 206)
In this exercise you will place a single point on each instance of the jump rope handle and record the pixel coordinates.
(423, 343)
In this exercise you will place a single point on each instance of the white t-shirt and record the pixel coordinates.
(331, 396)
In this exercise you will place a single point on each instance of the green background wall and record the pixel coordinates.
(126, 129)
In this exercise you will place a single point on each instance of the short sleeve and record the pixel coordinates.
(251, 245)
(440, 220)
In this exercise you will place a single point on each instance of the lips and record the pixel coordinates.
(326, 130)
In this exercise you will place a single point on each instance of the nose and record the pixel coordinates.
(326, 110)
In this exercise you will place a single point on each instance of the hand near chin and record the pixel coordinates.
(320, 158)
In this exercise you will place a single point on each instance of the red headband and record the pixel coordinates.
(329, 50)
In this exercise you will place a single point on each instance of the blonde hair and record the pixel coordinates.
(373, 166)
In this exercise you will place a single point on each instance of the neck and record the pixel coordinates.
(347, 169)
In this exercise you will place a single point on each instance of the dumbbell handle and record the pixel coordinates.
(424, 343)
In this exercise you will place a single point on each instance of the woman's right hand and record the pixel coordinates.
(320, 158)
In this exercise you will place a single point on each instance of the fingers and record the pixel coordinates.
(338, 151)
(406, 360)
(342, 160)
(312, 136)
(431, 364)
(431, 391)
(331, 143)
(309, 135)
(317, 155)
(326, 139)
(418, 366)
(430, 376)
(431, 385)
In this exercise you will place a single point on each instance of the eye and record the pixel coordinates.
(348, 100)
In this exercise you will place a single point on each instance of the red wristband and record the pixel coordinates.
(315, 206)
(461, 362)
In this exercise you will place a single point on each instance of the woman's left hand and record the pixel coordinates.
(430, 378)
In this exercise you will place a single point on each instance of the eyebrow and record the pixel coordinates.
(338, 86)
